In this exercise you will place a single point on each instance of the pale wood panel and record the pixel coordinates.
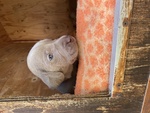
(15, 77)
(35, 19)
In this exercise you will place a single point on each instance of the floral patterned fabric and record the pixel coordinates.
(95, 20)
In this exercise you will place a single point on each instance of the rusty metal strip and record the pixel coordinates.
(118, 60)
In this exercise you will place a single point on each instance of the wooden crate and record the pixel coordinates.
(20, 91)
(22, 23)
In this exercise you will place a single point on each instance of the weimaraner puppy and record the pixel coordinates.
(52, 61)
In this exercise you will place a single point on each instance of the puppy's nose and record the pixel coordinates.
(69, 39)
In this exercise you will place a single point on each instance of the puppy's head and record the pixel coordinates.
(48, 58)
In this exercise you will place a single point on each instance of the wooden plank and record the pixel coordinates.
(140, 56)
(141, 38)
(15, 77)
(90, 105)
(35, 20)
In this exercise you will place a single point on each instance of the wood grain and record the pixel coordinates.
(3, 35)
(35, 20)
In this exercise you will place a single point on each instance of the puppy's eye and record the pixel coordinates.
(50, 57)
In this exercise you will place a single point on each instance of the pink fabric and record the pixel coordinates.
(95, 20)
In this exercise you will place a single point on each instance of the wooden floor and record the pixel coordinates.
(15, 77)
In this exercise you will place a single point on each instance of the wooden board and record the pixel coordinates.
(15, 77)
(35, 19)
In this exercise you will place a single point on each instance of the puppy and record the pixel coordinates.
(52, 60)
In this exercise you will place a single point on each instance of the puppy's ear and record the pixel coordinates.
(52, 79)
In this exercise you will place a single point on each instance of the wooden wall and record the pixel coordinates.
(35, 19)
(3, 35)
